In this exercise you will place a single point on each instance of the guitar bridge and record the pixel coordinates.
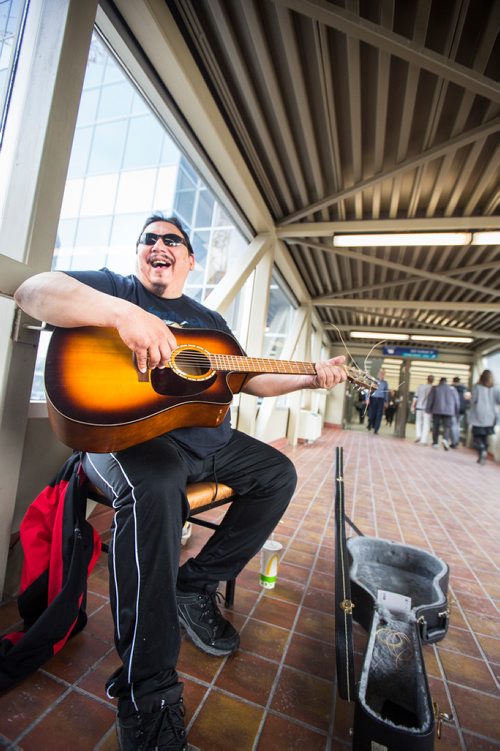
(141, 377)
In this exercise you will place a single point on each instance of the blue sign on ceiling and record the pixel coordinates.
(418, 354)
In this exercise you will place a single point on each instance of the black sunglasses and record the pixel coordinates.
(171, 240)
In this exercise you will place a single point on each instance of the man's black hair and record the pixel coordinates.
(159, 217)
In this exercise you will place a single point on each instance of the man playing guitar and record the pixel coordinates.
(150, 595)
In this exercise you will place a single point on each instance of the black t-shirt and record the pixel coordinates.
(181, 312)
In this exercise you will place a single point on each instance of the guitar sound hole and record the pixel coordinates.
(192, 363)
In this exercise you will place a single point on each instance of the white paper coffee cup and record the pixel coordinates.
(269, 558)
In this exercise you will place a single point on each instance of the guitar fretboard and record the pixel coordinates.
(240, 364)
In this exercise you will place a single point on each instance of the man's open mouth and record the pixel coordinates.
(161, 263)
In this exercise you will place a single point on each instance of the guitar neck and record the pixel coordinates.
(240, 364)
(192, 360)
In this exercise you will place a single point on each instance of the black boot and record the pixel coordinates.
(158, 726)
(200, 615)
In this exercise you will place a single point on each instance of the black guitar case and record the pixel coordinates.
(398, 593)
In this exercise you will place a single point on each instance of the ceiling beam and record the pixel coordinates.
(400, 320)
(328, 229)
(475, 333)
(242, 266)
(355, 255)
(226, 32)
(427, 305)
(414, 279)
(272, 91)
(453, 144)
(356, 27)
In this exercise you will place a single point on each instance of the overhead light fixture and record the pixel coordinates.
(456, 339)
(486, 238)
(402, 238)
(415, 238)
(382, 335)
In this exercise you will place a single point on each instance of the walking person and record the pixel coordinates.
(483, 415)
(361, 405)
(418, 408)
(443, 404)
(378, 402)
(455, 423)
(391, 408)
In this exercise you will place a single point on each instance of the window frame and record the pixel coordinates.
(4, 113)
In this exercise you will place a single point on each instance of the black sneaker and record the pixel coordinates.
(162, 728)
(200, 615)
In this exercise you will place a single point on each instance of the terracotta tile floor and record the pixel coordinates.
(278, 692)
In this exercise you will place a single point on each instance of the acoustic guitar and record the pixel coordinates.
(99, 401)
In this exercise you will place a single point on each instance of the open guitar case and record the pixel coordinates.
(398, 593)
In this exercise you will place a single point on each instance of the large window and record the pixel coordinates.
(12, 18)
(279, 316)
(123, 166)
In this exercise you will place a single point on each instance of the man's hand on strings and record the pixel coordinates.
(148, 337)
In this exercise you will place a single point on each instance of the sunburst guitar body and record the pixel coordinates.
(99, 401)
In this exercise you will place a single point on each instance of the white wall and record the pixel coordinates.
(334, 413)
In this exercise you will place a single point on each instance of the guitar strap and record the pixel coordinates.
(344, 648)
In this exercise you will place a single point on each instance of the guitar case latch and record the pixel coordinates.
(440, 717)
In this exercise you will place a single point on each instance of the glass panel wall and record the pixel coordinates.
(279, 316)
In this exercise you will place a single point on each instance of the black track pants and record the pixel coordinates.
(146, 484)
(436, 424)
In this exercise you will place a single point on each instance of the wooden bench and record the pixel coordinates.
(202, 497)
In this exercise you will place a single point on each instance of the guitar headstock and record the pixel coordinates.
(361, 379)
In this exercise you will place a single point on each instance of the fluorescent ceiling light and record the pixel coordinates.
(403, 238)
(418, 366)
(382, 336)
(486, 238)
(456, 339)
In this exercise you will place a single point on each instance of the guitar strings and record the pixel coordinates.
(195, 358)
(207, 360)
(396, 642)
(364, 370)
(353, 361)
